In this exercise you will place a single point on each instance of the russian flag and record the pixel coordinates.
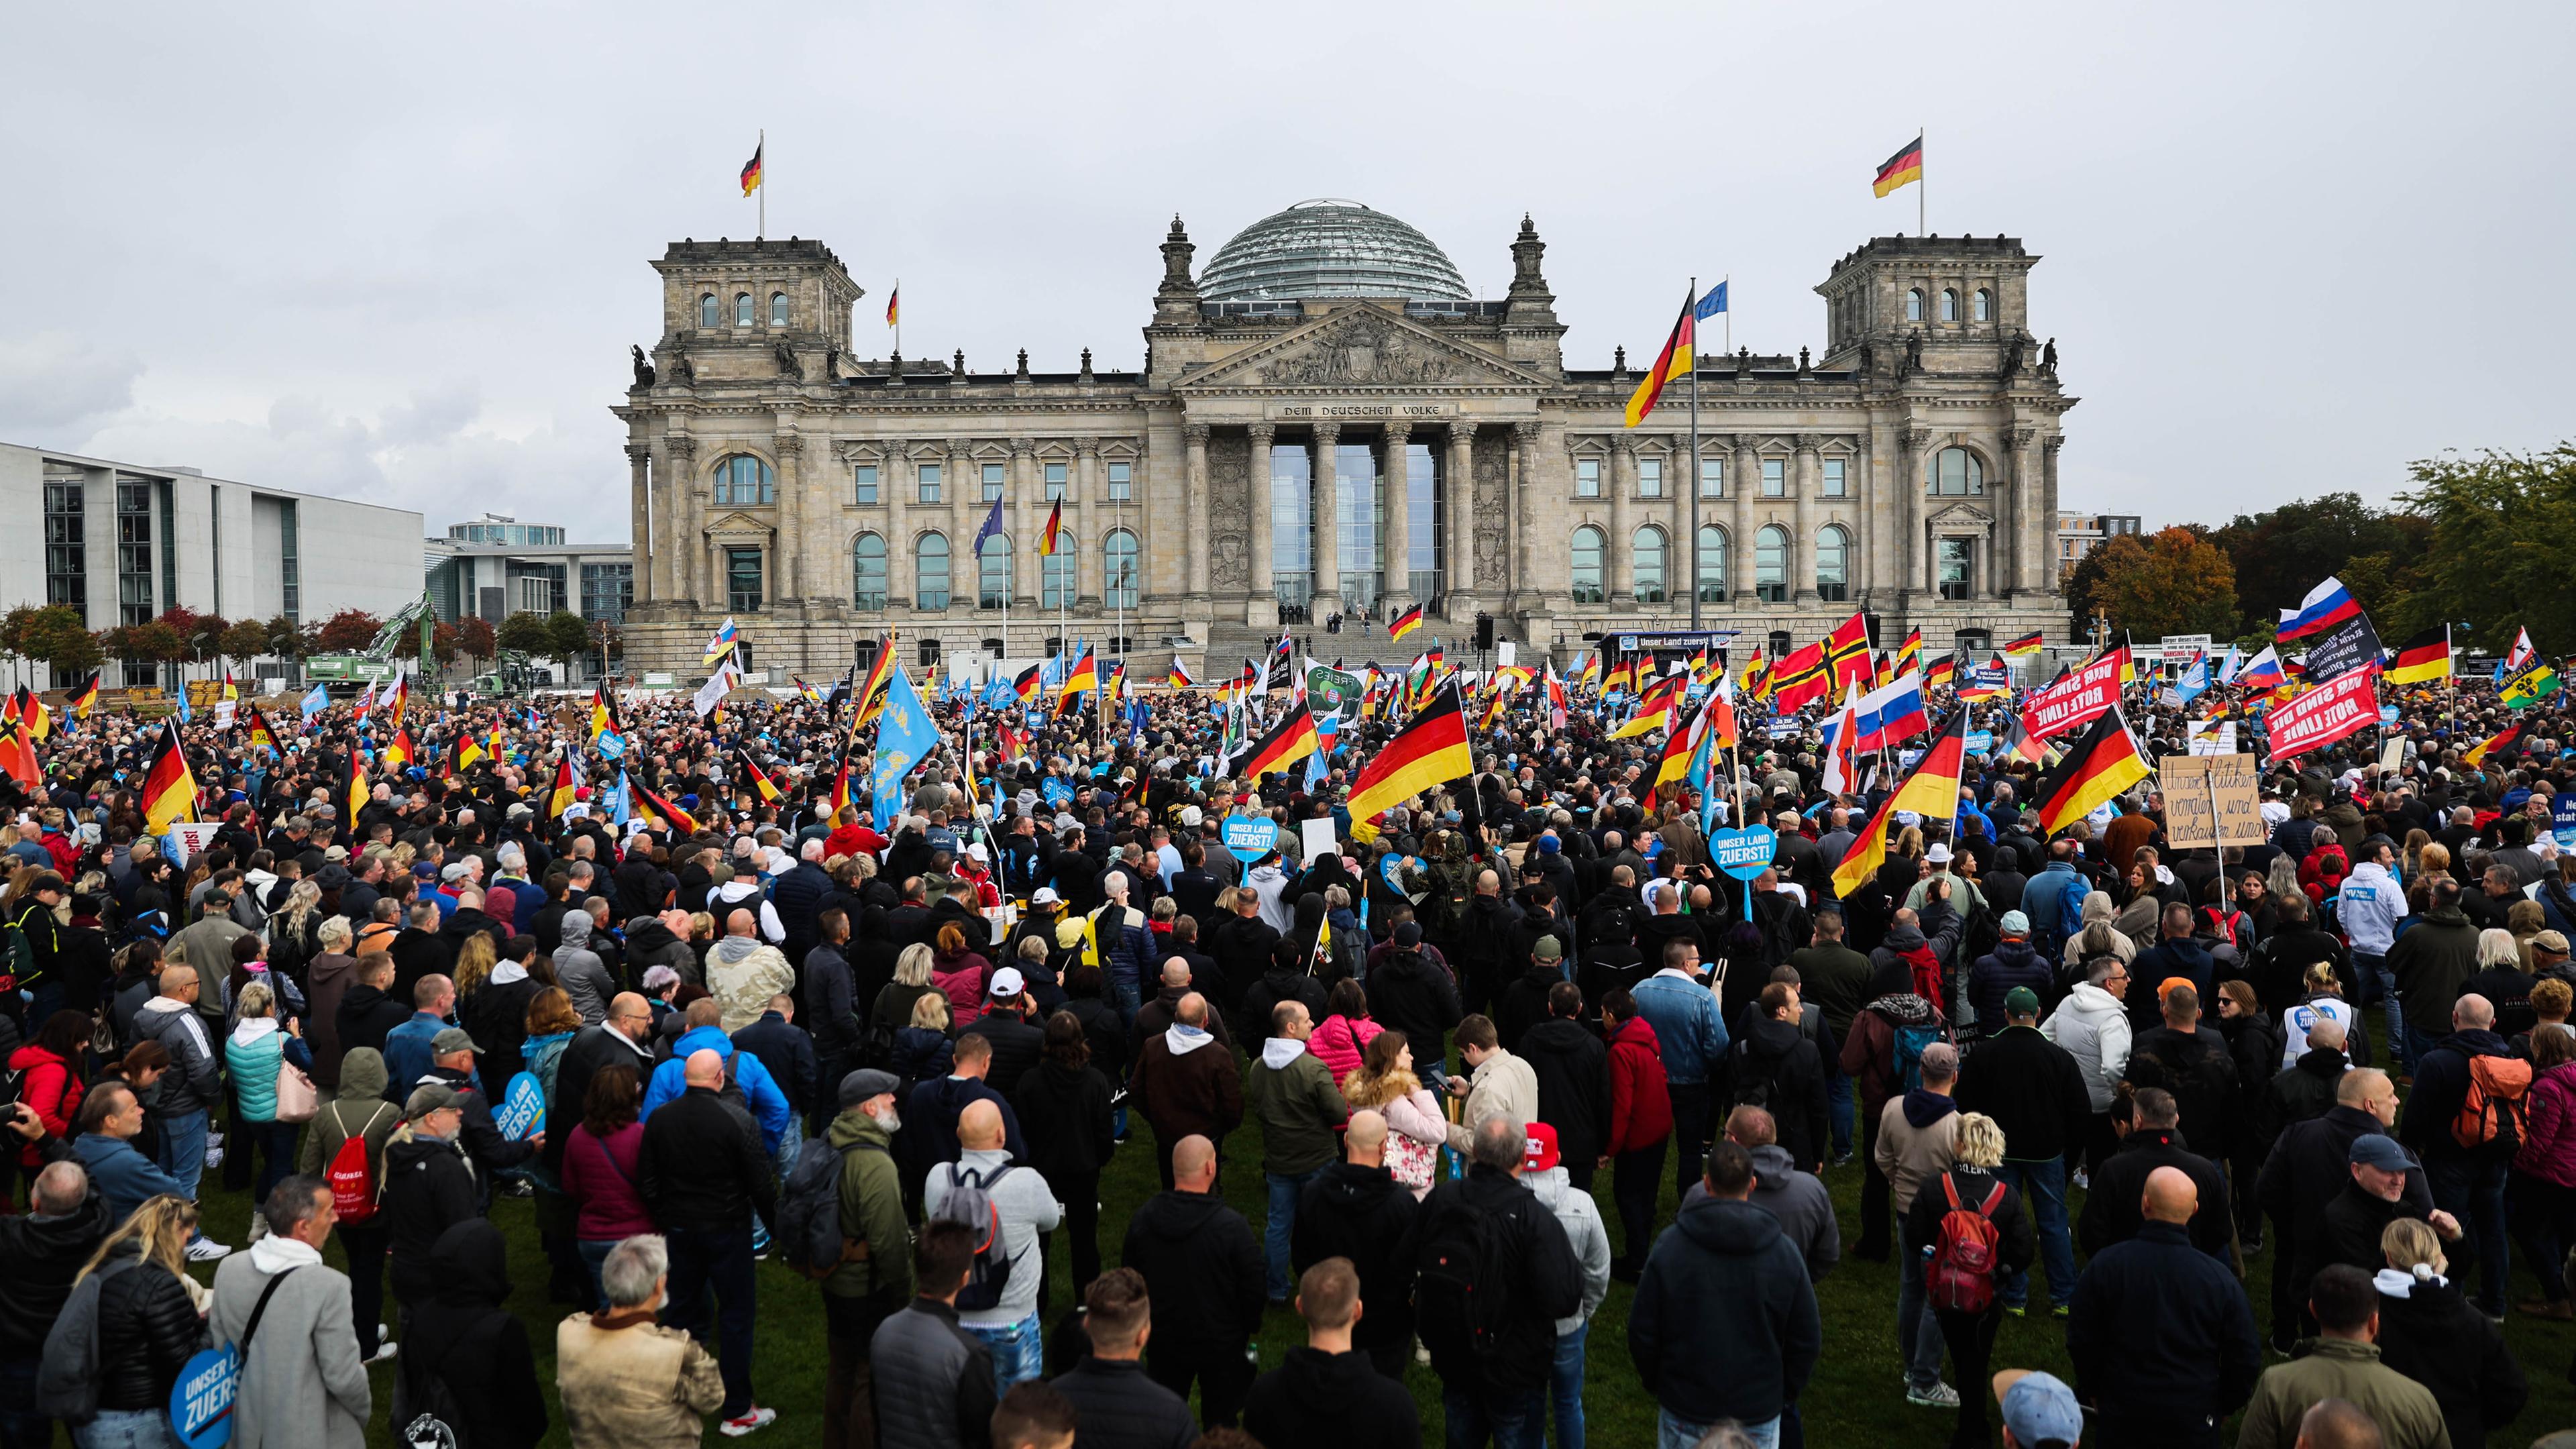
(2326, 605)
(2263, 671)
(1891, 713)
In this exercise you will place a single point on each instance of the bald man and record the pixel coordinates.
(705, 1175)
(2467, 1181)
(2160, 1332)
(623, 1039)
(1203, 1269)
(1357, 1210)
(1007, 1322)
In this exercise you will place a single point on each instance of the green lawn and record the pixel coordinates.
(1856, 1397)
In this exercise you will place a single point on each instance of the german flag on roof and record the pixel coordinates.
(1906, 165)
(169, 788)
(1427, 753)
(2424, 658)
(1292, 739)
(2100, 766)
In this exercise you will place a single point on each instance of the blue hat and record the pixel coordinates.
(2040, 1407)
(1549, 845)
(2374, 1149)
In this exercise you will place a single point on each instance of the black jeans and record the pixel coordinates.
(1971, 1339)
(849, 1400)
(364, 1243)
(2543, 1218)
(1634, 1177)
(1222, 1374)
(701, 1259)
(1690, 1132)
(1081, 1198)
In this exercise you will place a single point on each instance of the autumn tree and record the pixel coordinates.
(287, 640)
(54, 637)
(442, 645)
(2173, 582)
(349, 631)
(245, 641)
(2498, 557)
(474, 637)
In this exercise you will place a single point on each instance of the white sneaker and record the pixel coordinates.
(207, 1250)
(758, 1419)
(1939, 1396)
(384, 1351)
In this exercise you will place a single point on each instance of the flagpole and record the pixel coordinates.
(1922, 186)
(761, 150)
(1692, 482)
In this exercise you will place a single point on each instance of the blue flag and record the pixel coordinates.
(1711, 304)
(905, 735)
(999, 694)
(992, 526)
(617, 806)
(185, 713)
(316, 702)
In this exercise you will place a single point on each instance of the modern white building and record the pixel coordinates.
(122, 543)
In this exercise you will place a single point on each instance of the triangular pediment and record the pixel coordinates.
(738, 523)
(1962, 515)
(1360, 348)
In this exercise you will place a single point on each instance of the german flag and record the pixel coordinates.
(1847, 652)
(354, 792)
(2023, 647)
(399, 751)
(2100, 766)
(1404, 623)
(84, 697)
(1654, 708)
(1622, 678)
(872, 695)
(841, 788)
(1053, 537)
(1940, 672)
(1081, 679)
(1931, 791)
(18, 760)
(1180, 678)
(462, 757)
(1493, 708)
(2491, 744)
(1427, 753)
(261, 734)
(398, 697)
(1290, 740)
(1906, 165)
(603, 712)
(759, 778)
(566, 789)
(686, 824)
(1591, 676)
(751, 170)
(2424, 658)
(169, 789)
(1030, 681)
(32, 712)
(1679, 747)
(894, 305)
(1674, 361)
(1909, 653)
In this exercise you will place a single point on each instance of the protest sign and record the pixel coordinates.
(1250, 837)
(523, 1109)
(1317, 838)
(2077, 700)
(201, 1399)
(2337, 710)
(2212, 800)
(2348, 646)
(1743, 854)
(1334, 692)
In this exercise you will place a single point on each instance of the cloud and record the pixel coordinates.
(53, 384)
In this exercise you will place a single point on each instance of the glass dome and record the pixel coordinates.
(1330, 248)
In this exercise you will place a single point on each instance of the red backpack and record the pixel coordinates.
(1961, 1275)
(352, 1177)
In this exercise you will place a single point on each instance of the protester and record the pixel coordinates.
(1291, 1095)
(1494, 1271)
(2429, 1332)
(1005, 1321)
(704, 1173)
(1326, 1392)
(357, 1112)
(2160, 1332)
(1724, 1325)
(1201, 1262)
(623, 1378)
(1116, 1406)
(2344, 1364)
(302, 1382)
(1356, 1211)
(933, 1380)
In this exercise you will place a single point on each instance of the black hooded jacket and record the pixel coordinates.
(428, 1188)
(1365, 1215)
(1336, 1399)
(1202, 1266)
(1573, 1071)
(466, 1335)
(1774, 1066)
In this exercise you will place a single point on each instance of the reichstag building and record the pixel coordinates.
(1328, 422)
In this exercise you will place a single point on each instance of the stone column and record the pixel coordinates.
(964, 507)
(1458, 517)
(639, 519)
(786, 552)
(1195, 488)
(898, 484)
(1080, 489)
(1028, 496)
(1395, 488)
(1261, 607)
(2032, 529)
(1523, 586)
(1743, 481)
(2048, 508)
(1806, 475)
(1327, 530)
(1915, 550)
(1623, 526)
(688, 523)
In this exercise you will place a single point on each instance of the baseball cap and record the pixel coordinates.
(1538, 1149)
(864, 1083)
(455, 870)
(452, 1039)
(427, 1098)
(2014, 923)
(1547, 949)
(2021, 1001)
(2551, 941)
(1008, 983)
(2039, 1407)
(1046, 896)
(1939, 854)
(2375, 1149)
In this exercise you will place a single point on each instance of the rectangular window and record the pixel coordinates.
(67, 545)
(1953, 560)
(1832, 486)
(1055, 474)
(606, 590)
(1587, 477)
(1775, 477)
(866, 487)
(1650, 477)
(992, 481)
(928, 474)
(1121, 479)
(134, 551)
(290, 567)
(742, 579)
(1712, 477)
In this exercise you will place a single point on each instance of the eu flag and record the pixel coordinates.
(1711, 304)
(905, 736)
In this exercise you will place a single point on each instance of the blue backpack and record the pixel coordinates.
(1910, 1042)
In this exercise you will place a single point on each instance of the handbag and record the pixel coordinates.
(297, 1101)
(1410, 1161)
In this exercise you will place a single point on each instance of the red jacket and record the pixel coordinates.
(1641, 1109)
(65, 851)
(51, 1090)
(2548, 1150)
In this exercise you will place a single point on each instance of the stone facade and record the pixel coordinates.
(1909, 472)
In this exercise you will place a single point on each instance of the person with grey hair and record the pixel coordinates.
(627, 1382)
(41, 1255)
(1495, 1272)
(302, 1382)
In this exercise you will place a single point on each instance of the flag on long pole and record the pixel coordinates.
(1671, 363)
(1931, 791)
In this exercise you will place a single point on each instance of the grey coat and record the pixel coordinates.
(301, 1384)
(583, 974)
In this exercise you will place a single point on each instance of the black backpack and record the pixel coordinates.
(1462, 1297)
(970, 1204)
(809, 1210)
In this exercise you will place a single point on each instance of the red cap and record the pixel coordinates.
(1539, 1154)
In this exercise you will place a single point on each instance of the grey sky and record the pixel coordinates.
(2287, 248)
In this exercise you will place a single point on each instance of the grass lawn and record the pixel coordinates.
(1855, 1398)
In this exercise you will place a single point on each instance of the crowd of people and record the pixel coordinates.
(2078, 1075)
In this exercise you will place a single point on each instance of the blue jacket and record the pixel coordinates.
(768, 1103)
(125, 1177)
(407, 1058)
(1687, 1028)
(2054, 901)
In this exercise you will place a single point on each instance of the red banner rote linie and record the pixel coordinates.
(2077, 700)
(2345, 706)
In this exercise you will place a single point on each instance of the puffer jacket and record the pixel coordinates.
(191, 1084)
(2093, 1026)
(2548, 1149)
(1340, 1041)
(148, 1329)
(2013, 963)
(964, 979)
(52, 1090)
(253, 1051)
(742, 975)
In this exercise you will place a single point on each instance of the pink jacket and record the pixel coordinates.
(1339, 1042)
(2548, 1150)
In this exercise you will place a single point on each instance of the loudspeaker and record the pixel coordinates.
(1485, 631)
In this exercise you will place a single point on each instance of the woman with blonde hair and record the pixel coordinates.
(2431, 1333)
(1971, 1185)
(1385, 1084)
(2504, 980)
(150, 1322)
(294, 933)
(893, 1006)
(258, 1054)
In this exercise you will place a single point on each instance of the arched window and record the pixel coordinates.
(709, 313)
(1646, 551)
(930, 572)
(1712, 565)
(993, 573)
(1914, 305)
(868, 571)
(1118, 555)
(1956, 472)
(1833, 564)
(742, 309)
(1587, 583)
(1985, 304)
(1057, 588)
(1949, 305)
(778, 309)
(745, 480)
(1771, 565)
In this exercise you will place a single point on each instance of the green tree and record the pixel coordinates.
(245, 641)
(2281, 554)
(567, 636)
(2175, 582)
(56, 636)
(525, 633)
(286, 640)
(2498, 556)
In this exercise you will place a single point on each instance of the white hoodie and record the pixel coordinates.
(2093, 1026)
(1580, 1216)
(2368, 907)
(1279, 1051)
